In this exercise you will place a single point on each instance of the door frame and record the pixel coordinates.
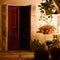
(5, 26)
(19, 23)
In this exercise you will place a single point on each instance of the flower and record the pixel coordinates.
(47, 29)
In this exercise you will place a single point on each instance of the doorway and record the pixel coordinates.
(19, 27)
(24, 27)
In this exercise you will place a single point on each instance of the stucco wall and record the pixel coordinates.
(0, 31)
(33, 4)
(21, 2)
(35, 15)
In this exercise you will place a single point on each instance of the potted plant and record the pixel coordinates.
(42, 51)
(47, 8)
(39, 46)
(47, 29)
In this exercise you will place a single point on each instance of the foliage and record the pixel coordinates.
(48, 44)
(46, 8)
(38, 45)
(36, 42)
(54, 43)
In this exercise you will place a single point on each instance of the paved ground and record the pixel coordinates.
(15, 59)
(17, 55)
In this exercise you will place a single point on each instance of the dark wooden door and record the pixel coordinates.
(19, 27)
(13, 27)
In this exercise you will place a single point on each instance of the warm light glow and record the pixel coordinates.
(59, 29)
(35, 24)
(41, 22)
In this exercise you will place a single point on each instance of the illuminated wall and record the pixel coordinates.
(35, 16)
(35, 24)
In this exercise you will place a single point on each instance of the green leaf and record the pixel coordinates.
(39, 5)
(48, 16)
(42, 11)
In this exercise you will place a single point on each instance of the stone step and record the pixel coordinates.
(17, 54)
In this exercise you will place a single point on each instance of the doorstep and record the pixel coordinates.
(17, 54)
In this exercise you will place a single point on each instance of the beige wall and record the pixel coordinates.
(0, 31)
(21, 2)
(35, 14)
(33, 4)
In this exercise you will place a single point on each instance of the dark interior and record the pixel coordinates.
(24, 27)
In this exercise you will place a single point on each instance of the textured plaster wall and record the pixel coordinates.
(35, 15)
(58, 23)
(21, 2)
(33, 4)
(35, 24)
(0, 31)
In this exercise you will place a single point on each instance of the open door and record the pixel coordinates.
(13, 36)
(19, 27)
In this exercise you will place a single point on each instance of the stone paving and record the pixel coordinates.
(17, 55)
